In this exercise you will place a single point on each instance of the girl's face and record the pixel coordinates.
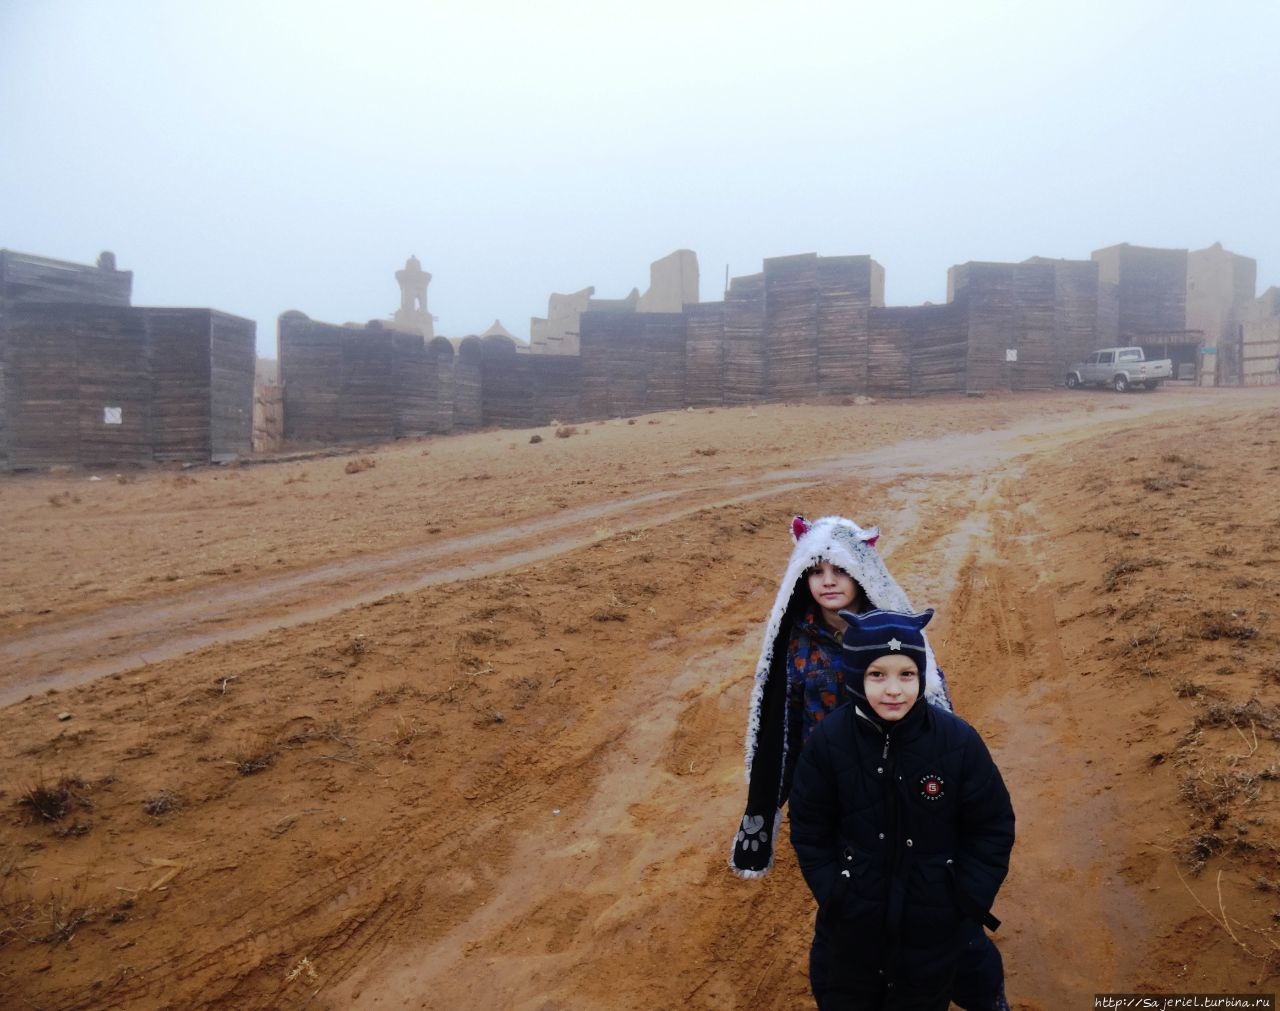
(892, 686)
(833, 590)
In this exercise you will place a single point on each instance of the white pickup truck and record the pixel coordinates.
(1120, 368)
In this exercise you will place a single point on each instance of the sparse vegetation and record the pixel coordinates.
(46, 802)
(161, 803)
(360, 464)
(253, 756)
(1118, 572)
(1213, 625)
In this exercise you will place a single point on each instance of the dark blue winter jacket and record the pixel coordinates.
(902, 834)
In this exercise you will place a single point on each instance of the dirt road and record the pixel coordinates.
(460, 726)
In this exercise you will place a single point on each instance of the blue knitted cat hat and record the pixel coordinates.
(874, 634)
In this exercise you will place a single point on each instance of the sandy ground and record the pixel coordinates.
(457, 723)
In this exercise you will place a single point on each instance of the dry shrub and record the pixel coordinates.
(1216, 625)
(565, 431)
(161, 803)
(1117, 572)
(74, 830)
(1252, 713)
(362, 463)
(44, 802)
(58, 921)
(535, 438)
(252, 756)
(1195, 850)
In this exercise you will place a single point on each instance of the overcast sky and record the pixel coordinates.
(257, 156)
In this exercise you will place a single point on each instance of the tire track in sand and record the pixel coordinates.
(61, 654)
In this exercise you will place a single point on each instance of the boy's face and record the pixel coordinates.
(832, 588)
(892, 685)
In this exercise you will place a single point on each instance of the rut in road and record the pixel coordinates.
(63, 653)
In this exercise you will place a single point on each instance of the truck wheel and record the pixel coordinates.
(1120, 384)
(1072, 381)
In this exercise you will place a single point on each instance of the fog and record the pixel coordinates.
(257, 157)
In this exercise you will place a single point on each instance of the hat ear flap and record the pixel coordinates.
(869, 537)
(923, 618)
(799, 527)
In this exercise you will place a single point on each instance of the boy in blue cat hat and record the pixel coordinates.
(902, 827)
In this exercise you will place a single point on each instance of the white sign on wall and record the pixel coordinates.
(1011, 354)
(113, 415)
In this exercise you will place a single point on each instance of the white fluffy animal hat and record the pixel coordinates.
(852, 548)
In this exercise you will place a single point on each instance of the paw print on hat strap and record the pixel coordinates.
(753, 834)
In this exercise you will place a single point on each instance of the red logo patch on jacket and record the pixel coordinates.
(931, 787)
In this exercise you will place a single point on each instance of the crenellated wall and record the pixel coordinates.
(810, 326)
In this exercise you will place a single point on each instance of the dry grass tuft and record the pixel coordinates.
(1216, 625)
(161, 803)
(565, 431)
(362, 463)
(46, 803)
(254, 755)
(1115, 576)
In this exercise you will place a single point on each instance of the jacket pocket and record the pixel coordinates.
(854, 867)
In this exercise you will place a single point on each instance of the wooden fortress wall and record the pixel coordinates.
(804, 327)
(31, 280)
(1150, 289)
(102, 384)
(365, 384)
